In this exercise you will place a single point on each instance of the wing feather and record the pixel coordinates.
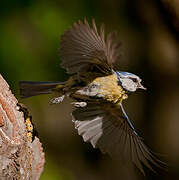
(108, 127)
(83, 47)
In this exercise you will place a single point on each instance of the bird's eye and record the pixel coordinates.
(134, 80)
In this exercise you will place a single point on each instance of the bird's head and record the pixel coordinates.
(130, 82)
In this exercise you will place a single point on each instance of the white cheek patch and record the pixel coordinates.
(129, 85)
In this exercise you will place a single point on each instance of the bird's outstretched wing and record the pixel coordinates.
(108, 128)
(83, 48)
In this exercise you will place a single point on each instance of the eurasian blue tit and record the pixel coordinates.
(97, 89)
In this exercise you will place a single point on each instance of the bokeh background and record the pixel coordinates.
(30, 32)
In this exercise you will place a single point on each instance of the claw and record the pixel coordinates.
(57, 100)
(79, 104)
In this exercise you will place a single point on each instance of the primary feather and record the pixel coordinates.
(107, 127)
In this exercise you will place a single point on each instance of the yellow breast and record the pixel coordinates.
(110, 89)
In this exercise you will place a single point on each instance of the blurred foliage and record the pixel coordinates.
(53, 171)
(29, 50)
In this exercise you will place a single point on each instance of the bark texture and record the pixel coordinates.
(20, 157)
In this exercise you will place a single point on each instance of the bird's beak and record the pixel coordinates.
(142, 87)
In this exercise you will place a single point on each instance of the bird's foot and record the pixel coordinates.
(57, 100)
(79, 104)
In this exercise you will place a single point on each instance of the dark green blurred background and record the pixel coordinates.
(29, 50)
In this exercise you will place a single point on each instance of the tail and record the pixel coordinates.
(31, 88)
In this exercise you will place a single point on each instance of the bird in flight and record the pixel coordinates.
(97, 89)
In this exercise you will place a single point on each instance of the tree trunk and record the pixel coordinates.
(20, 156)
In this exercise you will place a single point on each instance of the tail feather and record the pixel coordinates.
(31, 88)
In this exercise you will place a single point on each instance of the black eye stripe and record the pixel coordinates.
(134, 79)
